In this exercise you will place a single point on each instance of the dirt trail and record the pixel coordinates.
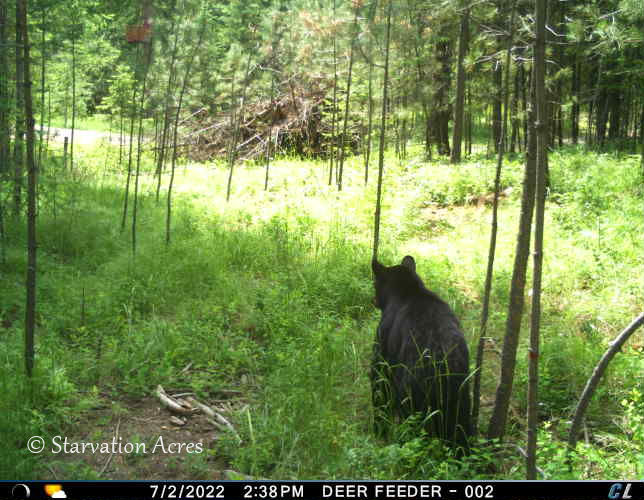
(85, 137)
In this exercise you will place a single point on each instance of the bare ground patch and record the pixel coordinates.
(135, 439)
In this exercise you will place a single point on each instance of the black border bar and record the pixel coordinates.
(320, 490)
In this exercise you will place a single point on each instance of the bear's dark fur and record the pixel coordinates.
(421, 360)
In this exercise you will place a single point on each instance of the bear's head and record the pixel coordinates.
(399, 281)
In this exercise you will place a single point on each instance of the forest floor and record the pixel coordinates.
(262, 309)
(165, 449)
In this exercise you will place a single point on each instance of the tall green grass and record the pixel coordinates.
(270, 295)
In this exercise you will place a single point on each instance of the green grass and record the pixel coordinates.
(270, 295)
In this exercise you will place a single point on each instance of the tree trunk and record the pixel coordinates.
(30, 310)
(602, 117)
(348, 95)
(129, 157)
(121, 138)
(370, 118)
(497, 78)
(514, 136)
(493, 232)
(71, 141)
(135, 201)
(42, 87)
(18, 145)
(496, 105)
(459, 114)
(184, 85)
(165, 129)
(642, 139)
(240, 119)
(496, 427)
(527, 84)
(442, 79)
(381, 153)
(334, 104)
(270, 129)
(614, 113)
(48, 120)
(5, 105)
(541, 129)
(5, 109)
(576, 87)
(469, 125)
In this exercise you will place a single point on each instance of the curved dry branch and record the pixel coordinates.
(598, 372)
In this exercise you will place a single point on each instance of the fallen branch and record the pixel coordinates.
(170, 403)
(177, 421)
(204, 408)
(598, 372)
(221, 423)
(193, 114)
(116, 438)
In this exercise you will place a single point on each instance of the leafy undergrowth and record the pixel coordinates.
(263, 305)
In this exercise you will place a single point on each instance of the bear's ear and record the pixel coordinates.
(377, 268)
(409, 262)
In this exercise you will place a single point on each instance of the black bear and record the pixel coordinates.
(421, 360)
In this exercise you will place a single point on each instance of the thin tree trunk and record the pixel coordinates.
(176, 127)
(155, 151)
(541, 129)
(3, 250)
(526, 83)
(42, 88)
(273, 70)
(381, 153)
(576, 83)
(18, 145)
(334, 112)
(5, 105)
(497, 80)
(71, 142)
(370, 118)
(514, 137)
(270, 130)
(427, 118)
(348, 95)
(496, 428)
(593, 104)
(30, 311)
(240, 119)
(642, 140)
(48, 120)
(442, 78)
(65, 149)
(469, 124)
(4, 120)
(66, 104)
(459, 110)
(5, 109)
(148, 50)
(121, 138)
(166, 112)
(129, 158)
(494, 229)
(233, 111)
(490, 137)
(108, 149)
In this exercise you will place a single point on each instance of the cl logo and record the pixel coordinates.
(615, 492)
